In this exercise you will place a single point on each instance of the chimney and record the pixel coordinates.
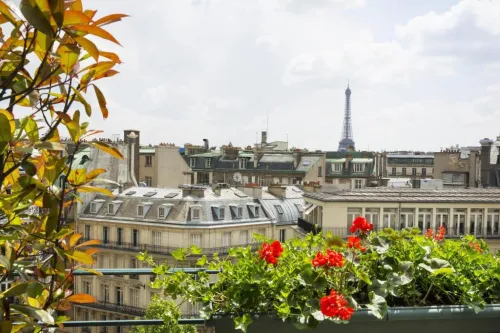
(264, 138)
(132, 137)
(312, 187)
(135, 155)
(277, 190)
(207, 147)
(252, 190)
(485, 161)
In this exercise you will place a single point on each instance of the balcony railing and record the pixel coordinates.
(161, 249)
(120, 308)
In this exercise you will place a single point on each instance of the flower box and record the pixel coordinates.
(439, 319)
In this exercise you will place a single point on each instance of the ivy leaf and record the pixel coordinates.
(377, 305)
(241, 323)
(202, 261)
(179, 254)
(195, 250)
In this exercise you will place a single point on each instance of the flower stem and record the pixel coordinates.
(428, 291)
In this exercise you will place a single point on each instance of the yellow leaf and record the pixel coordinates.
(90, 13)
(76, 5)
(77, 177)
(12, 122)
(96, 31)
(57, 10)
(108, 149)
(74, 239)
(109, 19)
(35, 15)
(81, 257)
(81, 99)
(109, 73)
(91, 271)
(95, 189)
(94, 173)
(68, 54)
(81, 298)
(110, 56)
(72, 17)
(5, 11)
(89, 243)
(102, 102)
(88, 46)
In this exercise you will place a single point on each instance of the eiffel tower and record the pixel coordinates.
(347, 142)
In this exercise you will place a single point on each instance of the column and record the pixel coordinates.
(415, 220)
(363, 211)
(485, 222)
(195, 177)
(210, 177)
(450, 222)
(467, 223)
(433, 219)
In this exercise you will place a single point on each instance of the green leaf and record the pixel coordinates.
(35, 289)
(377, 305)
(49, 145)
(81, 99)
(6, 326)
(202, 261)
(31, 129)
(444, 270)
(241, 323)
(57, 11)
(35, 313)
(5, 132)
(36, 17)
(195, 250)
(179, 254)
(29, 168)
(18, 289)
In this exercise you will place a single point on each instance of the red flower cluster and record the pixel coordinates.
(271, 252)
(354, 242)
(476, 247)
(330, 259)
(361, 224)
(439, 234)
(335, 305)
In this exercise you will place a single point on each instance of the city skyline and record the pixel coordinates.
(413, 67)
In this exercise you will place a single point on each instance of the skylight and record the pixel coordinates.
(241, 195)
(149, 194)
(171, 195)
(130, 193)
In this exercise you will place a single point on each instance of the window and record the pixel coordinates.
(195, 213)
(459, 216)
(262, 231)
(493, 222)
(414, 171)
(403, 171)
(119, 236)
(358, 183)
(196, 239)
(393, 171)
(111, 209)
(389, 218)
(161, 212)
(476, 222)
(337, 167)
(119, 295)
(149, 161)
(156, 239)
(87, 233)
(299, 206)
(243, 163)
(103, 329)
(359, 167)
(279, 209)
(105, 293)
(244, 237)
(87, 287)
(134, 297)
(134, 264)
(93, 207)
(222, 212)
(424, 172)
(282, 235)
(442, 218)
(320, 171)
(148, 180)
(424, 219)
(407, 218)
(239, 212)
(371, 215)
(208, 162)
(257, 211)
(192, 162)
(352, 213)
(140, 210)
(226, 239)
(105, 235)
(135, 237)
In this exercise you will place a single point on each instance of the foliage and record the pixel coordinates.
(165, 309)
(322, 278)
(48, 63)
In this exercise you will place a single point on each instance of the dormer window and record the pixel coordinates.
(96, 205)
(222, 212)
(111, 209)
(219, 212)
(239, 212)
(195, 213)
(236, 211)
(163, 211)
(358, 167)
(300, 208)
(257, 211)
(243, 163)
(192, 162)
(93, 207)
(279, 209)
(140, 210)
(254, 210)
(208, 162)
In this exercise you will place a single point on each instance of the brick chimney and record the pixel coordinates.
(485, 161)
(277, 190)
(196, 191)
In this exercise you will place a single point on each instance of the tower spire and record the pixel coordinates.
(347, 141)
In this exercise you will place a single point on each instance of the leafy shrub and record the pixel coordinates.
(321, 277)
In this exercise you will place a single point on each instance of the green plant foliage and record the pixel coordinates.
(390, 268)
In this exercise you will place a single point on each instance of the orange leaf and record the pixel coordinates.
(108, 149)
(72, 17)
(88, 46)
(89, 243)
(81, 298)
(109, 19)
(111, 56)
(94, 173)
(109, 73)
(102, 102)
(74, 239)
(64, 306)
(90, 13)
(96, 31)
(76, 5)
(91, 252)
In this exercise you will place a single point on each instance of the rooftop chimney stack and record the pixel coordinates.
(264, 138)
(207, 147)
(485, 161)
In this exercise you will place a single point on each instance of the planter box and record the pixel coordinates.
(439, 319)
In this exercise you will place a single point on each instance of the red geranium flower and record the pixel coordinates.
(476, 247)
(271, 252)
(361, 224)
(440, 233)
(354, 242)
(335, 305)
(429, 233)
(330, 259)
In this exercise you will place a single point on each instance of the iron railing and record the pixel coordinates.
(114, 307)
(161, 249)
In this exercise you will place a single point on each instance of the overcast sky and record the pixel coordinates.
(424, 74)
